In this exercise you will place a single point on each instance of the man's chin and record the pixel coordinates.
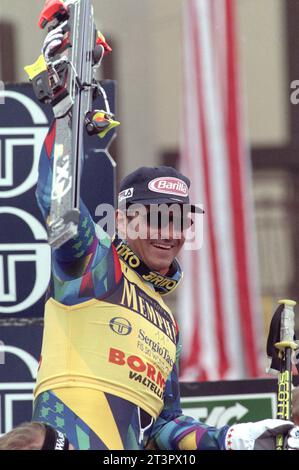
(158, 267)
(161, 262)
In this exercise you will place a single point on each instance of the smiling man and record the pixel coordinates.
(108, 375)
(110, 342)
(108, 371)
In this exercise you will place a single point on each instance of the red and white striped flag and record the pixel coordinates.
(221, 323)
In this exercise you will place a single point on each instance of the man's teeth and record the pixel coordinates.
(164, 247)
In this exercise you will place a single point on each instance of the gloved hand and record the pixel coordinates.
(262, 435)
(53, 41)
(293, 439)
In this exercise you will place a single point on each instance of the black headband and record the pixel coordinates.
(54, 440)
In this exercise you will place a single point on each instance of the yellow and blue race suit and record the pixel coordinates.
(108, 376)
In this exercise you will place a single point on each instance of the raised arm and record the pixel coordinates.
(81, 254)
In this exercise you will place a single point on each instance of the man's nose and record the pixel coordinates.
(171, 232)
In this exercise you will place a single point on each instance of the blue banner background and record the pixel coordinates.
(24, 256)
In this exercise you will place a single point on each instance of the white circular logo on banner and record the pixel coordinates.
(14, 253)
(13, 137)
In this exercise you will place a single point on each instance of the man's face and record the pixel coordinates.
(157, 244)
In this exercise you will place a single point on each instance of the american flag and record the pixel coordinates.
(220, 320)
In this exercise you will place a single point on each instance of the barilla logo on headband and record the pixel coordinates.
(169, 185)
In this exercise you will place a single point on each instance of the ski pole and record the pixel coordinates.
(285, 347)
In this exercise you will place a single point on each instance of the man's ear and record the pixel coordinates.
(121, 223)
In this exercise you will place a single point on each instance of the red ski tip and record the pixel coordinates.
(52, 9)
